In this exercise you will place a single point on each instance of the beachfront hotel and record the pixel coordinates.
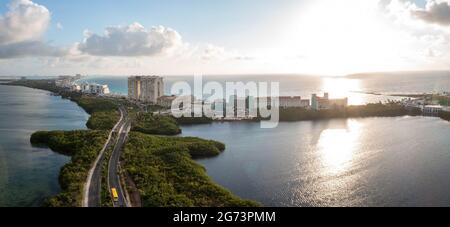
(325, 103)
(147, 89)
(94, 89)
(293, 101)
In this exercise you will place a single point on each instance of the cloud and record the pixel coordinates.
(31, 48)
(21, 29)
(435, 12)
(24, 21)
(131, 40)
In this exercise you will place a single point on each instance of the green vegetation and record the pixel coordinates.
(84, 147)
(442, 100)
(369, 110)
(155, 124)
(102, 120)
(48, 85)
(104, 114)
(445, 115)
(166, 176)
(93, 104)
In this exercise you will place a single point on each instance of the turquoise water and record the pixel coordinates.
(356, 88)
(28, 175)
(402, 161)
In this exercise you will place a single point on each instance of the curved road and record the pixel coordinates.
(92, 191)
(114, 169)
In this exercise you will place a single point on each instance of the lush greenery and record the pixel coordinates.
(445, 115)
(166, 176)
(155, 124)
(48, 85)
(442, 100)
(369, 110)
(84, 147)
(102, 120)
(92, 104)
(104, 113)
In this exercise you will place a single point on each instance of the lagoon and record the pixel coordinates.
(28, 175)
(401, 161)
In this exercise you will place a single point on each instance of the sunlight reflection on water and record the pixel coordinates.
(337, 146)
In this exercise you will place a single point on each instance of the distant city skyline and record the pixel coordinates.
(178, 37)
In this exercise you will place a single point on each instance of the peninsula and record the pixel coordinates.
(155, 169)
(152, 167)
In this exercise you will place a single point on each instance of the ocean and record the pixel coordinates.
(360, 89)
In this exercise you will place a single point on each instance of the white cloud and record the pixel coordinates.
(424, 35)
(24, 21)
(131, 40)
(21, 29)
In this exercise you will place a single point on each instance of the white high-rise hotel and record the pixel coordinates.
(145, 88)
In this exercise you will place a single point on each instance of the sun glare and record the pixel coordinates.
(337, 146)
(335, 39)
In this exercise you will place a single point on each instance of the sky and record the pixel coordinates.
(186, 37)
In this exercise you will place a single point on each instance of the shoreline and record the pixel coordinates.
(39, 137)
(304, 116)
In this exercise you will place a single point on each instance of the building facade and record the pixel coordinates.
(432, 109)
(64, 81)
(293, 102)
(75, 88)
(146, 89)
(94, 89)
(325, 103)
(166, 101)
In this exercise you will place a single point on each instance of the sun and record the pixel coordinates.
(337, 38)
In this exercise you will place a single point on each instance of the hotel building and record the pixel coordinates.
(294, 101)
(325, 103)
(147, 89)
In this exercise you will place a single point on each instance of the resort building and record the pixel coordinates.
(85, 88)
(64, 81)
(219, 107)
(432, 109)
(75, 88)
(166, 101)
(252, 106)
(145, 89)
(293, 102)
(94, 89)
(325, 103)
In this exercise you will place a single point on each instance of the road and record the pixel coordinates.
(92, 190)
(113, 167)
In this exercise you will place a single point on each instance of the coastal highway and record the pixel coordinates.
(113, 167)
(92, 189)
